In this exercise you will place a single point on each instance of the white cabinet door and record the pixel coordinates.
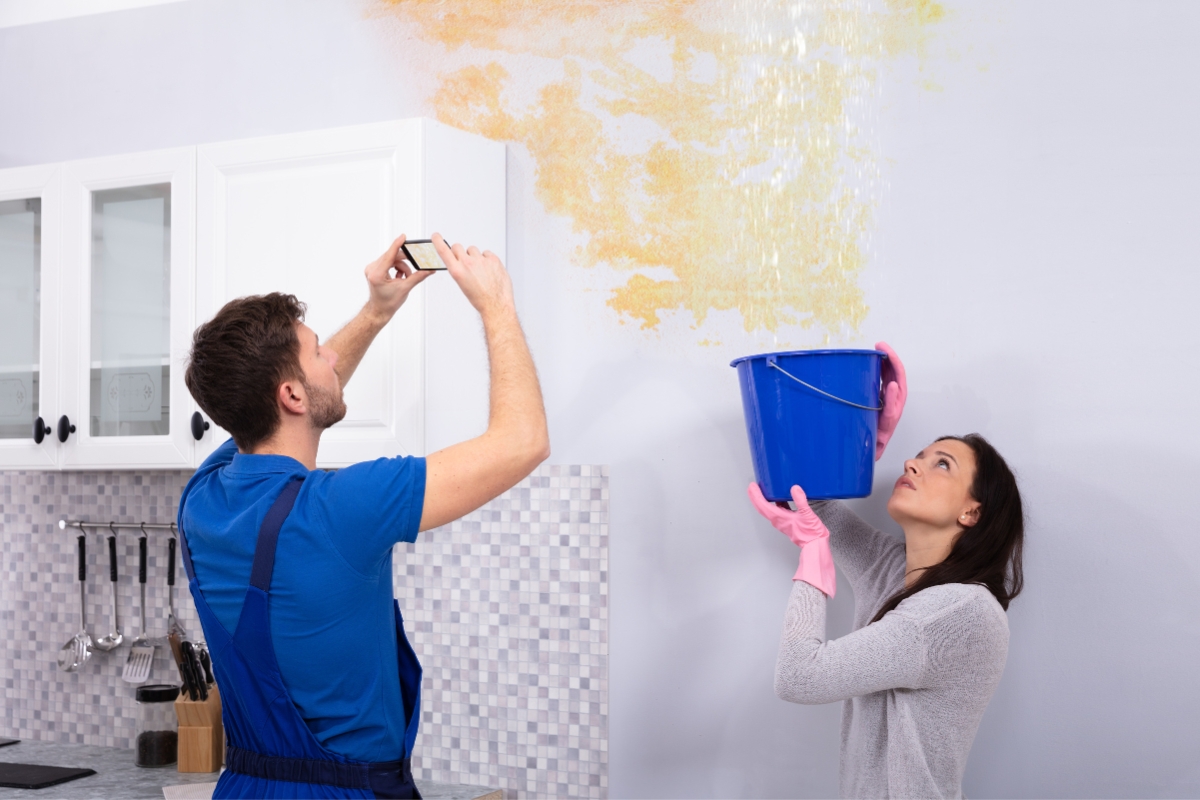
(128, 249)
(304, 214)
(30, 217)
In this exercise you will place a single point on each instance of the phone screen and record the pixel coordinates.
(422, 254)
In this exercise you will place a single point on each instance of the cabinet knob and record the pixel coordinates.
(199, 426)
(65, 428)
(40, 429)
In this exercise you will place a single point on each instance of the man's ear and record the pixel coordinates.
(970, 516)
(292, 398)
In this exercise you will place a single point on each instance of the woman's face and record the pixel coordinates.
(935, 489)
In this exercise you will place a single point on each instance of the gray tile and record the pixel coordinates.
(507, 609)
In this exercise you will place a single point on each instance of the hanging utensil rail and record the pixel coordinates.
(84, 525)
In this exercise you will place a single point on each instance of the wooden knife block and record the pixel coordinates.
(201, 734)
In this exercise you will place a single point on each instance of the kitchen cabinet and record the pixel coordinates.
(129, 253)
(304, 214)
(30, 217)
(128, 239)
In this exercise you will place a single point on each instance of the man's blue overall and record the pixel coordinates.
(270, 750)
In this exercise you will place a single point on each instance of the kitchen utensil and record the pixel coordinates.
(173, 625)
(75, 653)
(206, 662)
(189, 676)
(195, 670)
(112, 640)
(141, 651)
(176, 653)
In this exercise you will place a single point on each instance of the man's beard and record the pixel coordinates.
(326, 409)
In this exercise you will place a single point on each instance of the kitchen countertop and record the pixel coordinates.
(116, 775)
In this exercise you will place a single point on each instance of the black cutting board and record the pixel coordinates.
(36, 776)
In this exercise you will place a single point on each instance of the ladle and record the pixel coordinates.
(112, 640)
(75, 653)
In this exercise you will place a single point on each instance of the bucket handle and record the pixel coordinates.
(771, 363)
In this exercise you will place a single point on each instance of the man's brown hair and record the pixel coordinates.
(239, 358)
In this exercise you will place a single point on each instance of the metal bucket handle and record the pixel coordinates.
(771, 363)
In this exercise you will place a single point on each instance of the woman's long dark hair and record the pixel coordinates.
(989, 552)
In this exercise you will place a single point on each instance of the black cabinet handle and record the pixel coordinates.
(40, 429)
(199, 426)
(65, 428)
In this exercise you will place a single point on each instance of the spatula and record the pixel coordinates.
(141, 652)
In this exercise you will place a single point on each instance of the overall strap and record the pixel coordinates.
(268, 535)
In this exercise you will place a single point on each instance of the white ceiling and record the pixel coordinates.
(27, 12)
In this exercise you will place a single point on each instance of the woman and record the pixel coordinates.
(930, 632)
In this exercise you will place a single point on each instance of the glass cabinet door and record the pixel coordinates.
(128, 269)
(130, 369)
(20, 315)
(30, 226)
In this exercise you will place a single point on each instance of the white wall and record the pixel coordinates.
(1034, 262)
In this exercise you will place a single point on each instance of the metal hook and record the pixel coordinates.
(112, 528)
(142, 525)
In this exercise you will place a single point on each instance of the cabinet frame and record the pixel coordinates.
(80, 178)
(43, 182)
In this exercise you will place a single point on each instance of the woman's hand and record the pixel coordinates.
(805, 528)
(895, 392)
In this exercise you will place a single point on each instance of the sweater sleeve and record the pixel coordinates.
(863, 553)
(889, 654)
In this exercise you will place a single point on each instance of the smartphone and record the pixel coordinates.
(422, 254)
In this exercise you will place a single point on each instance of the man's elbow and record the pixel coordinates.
(537, 450)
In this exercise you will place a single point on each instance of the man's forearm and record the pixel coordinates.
(516, 407)
(352, 341)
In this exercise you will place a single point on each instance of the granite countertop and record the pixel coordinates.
(117, 776)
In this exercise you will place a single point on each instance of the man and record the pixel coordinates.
(291, 567)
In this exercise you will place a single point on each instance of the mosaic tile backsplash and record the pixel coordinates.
(507, 609)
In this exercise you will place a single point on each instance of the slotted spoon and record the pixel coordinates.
(75, 653)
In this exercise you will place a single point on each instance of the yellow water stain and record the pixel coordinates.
(752, 187)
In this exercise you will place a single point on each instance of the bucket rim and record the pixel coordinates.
(823, 352)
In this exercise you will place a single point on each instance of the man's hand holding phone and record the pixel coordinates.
(480, 275)
(388, 291)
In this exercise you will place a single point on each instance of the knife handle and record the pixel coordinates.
(206, 662)
(189, 669)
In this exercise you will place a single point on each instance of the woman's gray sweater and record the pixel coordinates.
(916, 683)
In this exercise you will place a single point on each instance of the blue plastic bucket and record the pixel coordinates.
(811, 418)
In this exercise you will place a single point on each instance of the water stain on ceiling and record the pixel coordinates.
(721, 153)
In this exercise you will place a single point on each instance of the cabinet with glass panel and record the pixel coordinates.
(29, 262)
(128, 243)
(108, 264)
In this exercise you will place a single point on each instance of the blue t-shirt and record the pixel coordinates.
(332, 622)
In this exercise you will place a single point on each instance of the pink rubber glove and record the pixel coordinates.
(895, 392)
(804, 528)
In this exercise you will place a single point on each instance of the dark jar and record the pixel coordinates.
(157, 743)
